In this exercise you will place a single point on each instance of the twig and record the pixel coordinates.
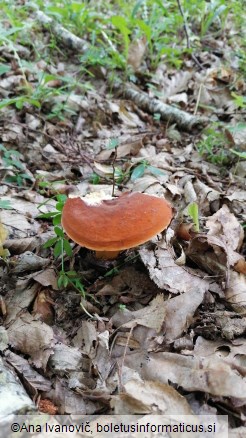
(186, 29)
(113, 165)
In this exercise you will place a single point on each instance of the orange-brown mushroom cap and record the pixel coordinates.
(115, 224)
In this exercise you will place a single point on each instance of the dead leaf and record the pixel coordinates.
(71, 403)
(234, 353)
(136, 51)
(125, 283)
(47, 277)
(122, 150)
(35, 381)
(180, 312)
(3, 234)
(235, 293)
(210, 376)
(19, 301)
(23, 244)
(44, 307)
(223, 224)
(32, 337)
(101, 358)
(151, 316)
(28, 261)
(174, 85)
(86, 338)
(65, 359)
(153, 397)
(169, 276)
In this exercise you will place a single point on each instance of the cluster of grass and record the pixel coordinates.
(216, 144)
(111, 26)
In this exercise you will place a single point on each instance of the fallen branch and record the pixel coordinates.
(67, 37)
(169, 113)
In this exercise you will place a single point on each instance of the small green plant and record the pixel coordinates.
(5, 204)
(241, 155)
(12, 160)
(239, 100)
(194, 214)
(60, 246)
(216, 144)
(139, 170)
(122, 307)
(214, 147)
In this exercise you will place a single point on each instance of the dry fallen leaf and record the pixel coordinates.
(28, 261)
(136, 52)
(167, 274)
(223, 224)
(234, 353)
(33, 380)
(235, 293)
(192, 374)
(153, 397)
(151, 316)
(32, 337)
(3, 236)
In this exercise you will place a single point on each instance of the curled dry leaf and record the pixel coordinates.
(125, 283)
(167, 275)
(69, 402)
(122, 150)
(33, 380)
(209, 253)
(21, 245)
(184, 231)
(43, 306)
(240, 266)
(18, 302)
(235, 293)
(223, 224)
(136, 52)
(101, 360)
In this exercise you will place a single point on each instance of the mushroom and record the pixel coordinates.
(109, 226)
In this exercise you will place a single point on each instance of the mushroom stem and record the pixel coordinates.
(107, 255)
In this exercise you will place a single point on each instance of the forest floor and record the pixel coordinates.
(161, 328)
